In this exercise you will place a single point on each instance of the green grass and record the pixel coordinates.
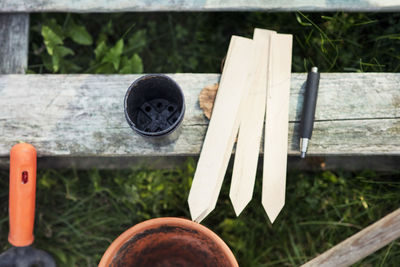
(79, 213)
(197, 42)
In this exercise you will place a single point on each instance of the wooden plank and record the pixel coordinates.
(362, 244)
(251, 126)
(196, 5)
(82, 115)
(223, 128)
(14, 37)
(276, 125)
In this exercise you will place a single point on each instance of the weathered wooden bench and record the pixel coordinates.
(78, 119)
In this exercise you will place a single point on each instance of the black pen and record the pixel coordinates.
(307, 116)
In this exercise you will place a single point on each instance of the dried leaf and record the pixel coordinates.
(207, 98)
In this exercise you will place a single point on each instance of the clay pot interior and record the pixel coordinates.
(174, 242)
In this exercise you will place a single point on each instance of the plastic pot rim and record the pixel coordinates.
(165, 131)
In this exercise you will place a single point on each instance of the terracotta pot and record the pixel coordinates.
(168, 242)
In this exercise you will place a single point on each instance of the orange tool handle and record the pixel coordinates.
(22, 194)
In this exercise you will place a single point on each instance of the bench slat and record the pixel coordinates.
(196, 5)
(14, 37)
(82, 115)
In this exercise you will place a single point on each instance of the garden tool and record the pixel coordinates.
(22, 211)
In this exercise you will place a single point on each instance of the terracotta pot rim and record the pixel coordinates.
(153, 223)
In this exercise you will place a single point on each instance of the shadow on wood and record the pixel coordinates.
(347, 163)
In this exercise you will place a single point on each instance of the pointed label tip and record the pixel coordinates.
(273, 211)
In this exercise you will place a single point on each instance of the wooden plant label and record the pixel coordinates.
(222, 129)
(251, 126)
(276, 125)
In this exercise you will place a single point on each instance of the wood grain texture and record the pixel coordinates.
(361, 244)
(14, 37)
(82, 115)
(223, 128)
(196, 5)
(251, 126)
(276, 125)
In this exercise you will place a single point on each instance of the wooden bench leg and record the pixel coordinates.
(14, 38)
(362, 244)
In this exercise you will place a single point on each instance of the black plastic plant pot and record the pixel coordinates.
(154, 108)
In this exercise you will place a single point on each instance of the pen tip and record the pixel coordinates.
(303, 155)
